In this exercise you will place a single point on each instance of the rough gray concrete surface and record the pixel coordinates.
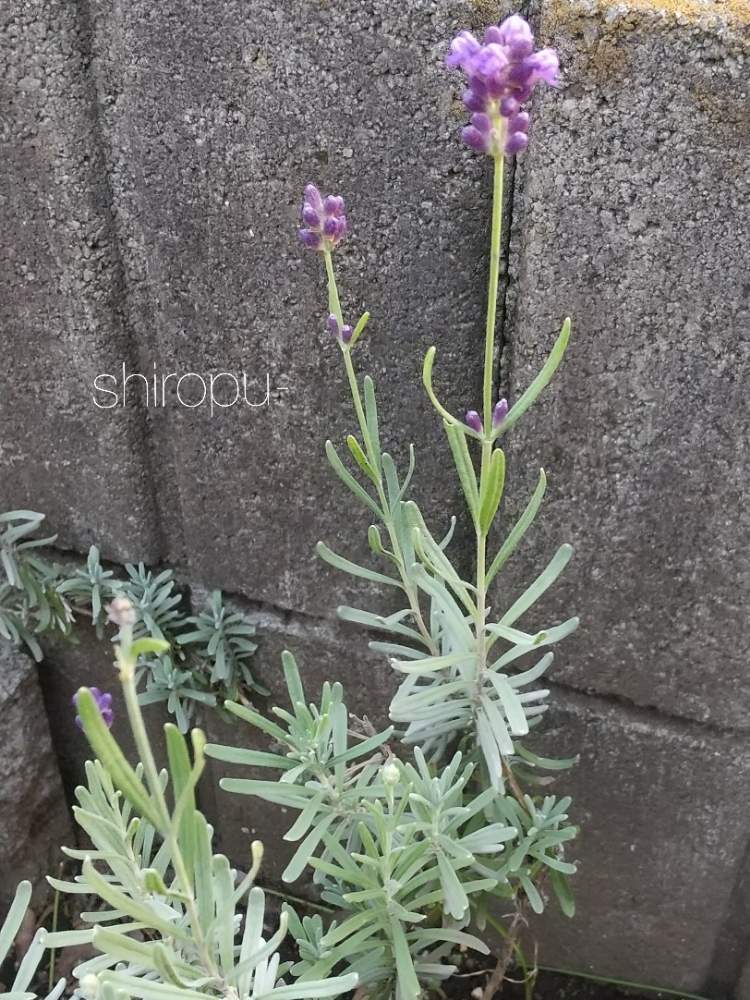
(216, 115)
(155, 157)
(34, 819)
(632, 218)
(61, 298)
(663, 814)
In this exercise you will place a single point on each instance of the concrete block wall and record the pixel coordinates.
(34, 820)
(623, 217)
(155, 156)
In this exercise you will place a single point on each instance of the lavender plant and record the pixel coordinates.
(29, 964)
(413, 834)
(32, 600)
(418, 831)
(208, 654)
(171, 920)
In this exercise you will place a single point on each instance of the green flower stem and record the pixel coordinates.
(494, 279)
(488, 384)
(126, 663)
(334, 304)
(55, 917)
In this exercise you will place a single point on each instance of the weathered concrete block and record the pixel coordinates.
(61, 298)
(663, 809)
(34, 819)
(632, 218)
(223, 112)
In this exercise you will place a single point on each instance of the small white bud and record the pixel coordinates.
(89, 986)
(121, 612)
(391, 774)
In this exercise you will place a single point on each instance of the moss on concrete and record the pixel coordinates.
(625, 15)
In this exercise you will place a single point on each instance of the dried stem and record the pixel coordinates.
(497, 978)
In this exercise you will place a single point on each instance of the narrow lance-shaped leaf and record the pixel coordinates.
(108, 751)
(183, 785)
(408, 984)
(306, 849)
(14, 918)
(360, 458)
(492, 490)
(429, 362)
(371, 412)
(519, 529)
(347, 566)
(539, 383)
(545, 580)
(348, 479)
(464, 467)
(292, 678)
(359, 329)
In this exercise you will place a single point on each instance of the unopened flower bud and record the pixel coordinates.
(89, 986)
(313, 197)
(500, 412)
(516, 142)
(342, 333)
(103, 702)
(334, 205)
(390, 774)
(475, 101)
(473, 420)
(310, 217)
(121, 612)
(476, 139)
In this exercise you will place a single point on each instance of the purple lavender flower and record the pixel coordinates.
(342, 333)
(502, 71)
(473, 420)
(324, 219)
(103, 703)
(500, 412)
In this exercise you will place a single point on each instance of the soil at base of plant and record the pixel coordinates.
(552, 986)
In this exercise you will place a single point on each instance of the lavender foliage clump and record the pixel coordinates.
(419, 831)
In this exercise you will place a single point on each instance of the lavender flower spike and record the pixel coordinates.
(499, 413)
(324, 219)
(502, 71)
(103, 703)
(473, 420)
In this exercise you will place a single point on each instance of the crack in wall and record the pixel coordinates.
(503, 342)
(154, 476)
(732, 945)
(278, 619)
